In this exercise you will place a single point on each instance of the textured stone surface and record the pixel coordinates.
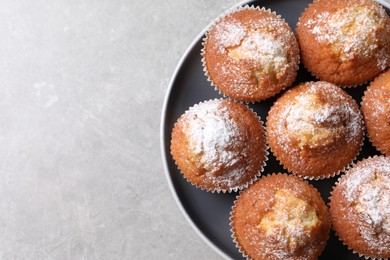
(82, 88)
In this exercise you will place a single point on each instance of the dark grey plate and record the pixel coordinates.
(209, 213)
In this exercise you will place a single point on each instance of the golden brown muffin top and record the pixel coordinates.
(317, 114)
(315, 129)
(280, 217)
(353, 28)
(376, 110)
(362, 196)
(219, 145)
(289, 220)
(251, 54)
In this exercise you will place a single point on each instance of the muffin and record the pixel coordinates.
(376, 111)
(315, 130)
(345, 42)
(360, 208)
(250, 54)
(280, 217)
(219, 145)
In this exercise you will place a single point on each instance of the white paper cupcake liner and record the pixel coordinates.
(249, 182)
(205, 39)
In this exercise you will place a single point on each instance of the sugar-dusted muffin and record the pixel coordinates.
(360, 208)
(315, 129)
(250, 54)
(219, 145)
(280, 217)
(376, 111)
(346, 42)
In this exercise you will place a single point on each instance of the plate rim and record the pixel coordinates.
(163, 144)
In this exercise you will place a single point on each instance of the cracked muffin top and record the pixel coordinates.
(315, 129)
(280, 217)
(250, 54)
(359, 207)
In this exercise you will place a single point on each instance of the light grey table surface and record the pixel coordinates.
(82, 89)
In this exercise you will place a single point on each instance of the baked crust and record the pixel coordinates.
(315, 129)
(359, 207)
(376, 111)
(251, 54)
(346, 42)
(280, 217)
(219, 145)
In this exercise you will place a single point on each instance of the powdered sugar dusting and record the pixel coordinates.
(290, 221)
(367, 187)
(229, 34)
(352, 31)
(279, 220)
(379, 102)
(250, 54)
(212, 134)
(318, 117)
(265, 50)
(374, 204)
(222, 147)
